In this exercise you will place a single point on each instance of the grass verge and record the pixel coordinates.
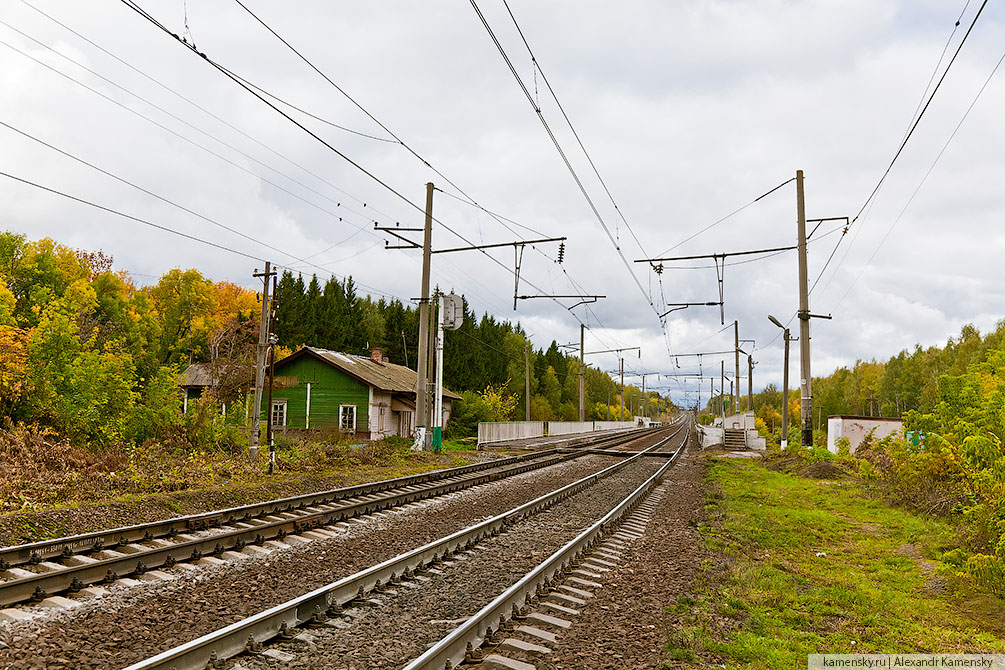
(818, 566)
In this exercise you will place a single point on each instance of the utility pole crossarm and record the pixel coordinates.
(393, 231)
(611, 351)
(677, 306)
(530, 297)
(498, 245)
(726, 254)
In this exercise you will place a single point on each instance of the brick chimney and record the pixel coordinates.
(376, 355)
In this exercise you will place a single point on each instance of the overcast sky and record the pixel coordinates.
(689, 111)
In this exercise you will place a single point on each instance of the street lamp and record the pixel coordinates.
(785, 382)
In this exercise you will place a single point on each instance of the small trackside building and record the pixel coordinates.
(370, 397)
(855, 428)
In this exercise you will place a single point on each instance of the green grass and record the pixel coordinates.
(818, 566)
(457, 445)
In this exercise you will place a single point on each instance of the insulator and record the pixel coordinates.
(561, 251)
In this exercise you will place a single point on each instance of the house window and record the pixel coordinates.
(279, 413)
(347, 418)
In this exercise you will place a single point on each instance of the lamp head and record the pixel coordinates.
(776, 322)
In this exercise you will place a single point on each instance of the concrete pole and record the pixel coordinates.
(750, 382)
(260, 353)
(526, 380)
(643, 412)
(805, 377)
(422, 376)
(785, 394)
(736, 355)
(711, 394)
(438, 411)
(270, 437)
(621, 413)
(722, 390)
(582, 375)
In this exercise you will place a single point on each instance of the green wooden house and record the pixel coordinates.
(368, 396)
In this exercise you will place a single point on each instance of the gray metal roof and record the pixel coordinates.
(196, 375)
(384, 376)
(203, 375)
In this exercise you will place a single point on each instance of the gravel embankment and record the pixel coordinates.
(131, 623)
(625, 625)
(412, 619)
(31, 526)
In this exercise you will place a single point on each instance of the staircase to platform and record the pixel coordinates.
(736, 439)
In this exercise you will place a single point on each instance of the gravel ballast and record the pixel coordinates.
(626, 624)
(130, 623)
(411, 619)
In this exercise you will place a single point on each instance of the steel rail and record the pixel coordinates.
(329, 599)
(131, 558)
(453, 648)
(36, 552)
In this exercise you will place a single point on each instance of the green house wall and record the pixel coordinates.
(330, 388)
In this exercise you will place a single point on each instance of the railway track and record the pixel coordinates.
(33, 572)
(333, 607)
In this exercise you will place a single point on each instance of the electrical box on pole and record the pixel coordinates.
(452, 306)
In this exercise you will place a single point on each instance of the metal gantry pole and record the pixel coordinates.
(526, 380)
(722, 391)
(621, 413)
(422, 376)
(805, 378)
(736, 355)
(785, 394)
(750, 382)
(643, 412)
(438, 412)
(711, 394)
(582, 374)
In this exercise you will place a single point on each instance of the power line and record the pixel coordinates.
(243, 83)
(196, 128)
(190, 141)
(147, 191)
(130, 217)
(728, 216)
(562, 154)
(568, 121)
(383, 127)
(250, 88)
(910, 132)
(466, 199)
(194, 104)
(922, 182)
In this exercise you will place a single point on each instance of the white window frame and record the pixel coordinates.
(341, 418)
(276, 404)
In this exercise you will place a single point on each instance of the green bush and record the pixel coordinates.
(466, 414)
